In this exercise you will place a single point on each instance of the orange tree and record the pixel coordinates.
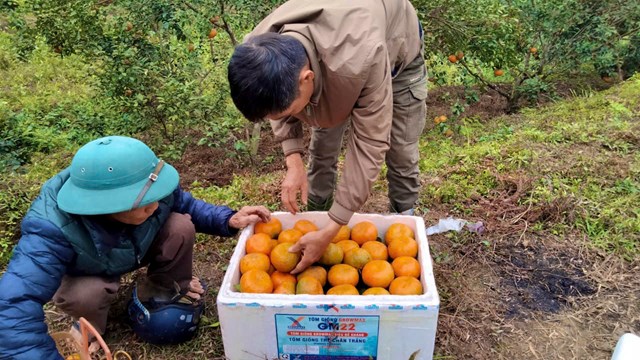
(531, 41)
(160, 65)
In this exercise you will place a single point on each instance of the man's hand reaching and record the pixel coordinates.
(312, 245)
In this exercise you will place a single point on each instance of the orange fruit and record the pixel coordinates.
(254, 261)
(343, 289)
(317, 272)
(376, 291)
(533, 50)
(376, 249)
(343, 274)
(405, 285)
(305, 226)
(453, 59)
(278, 278)
(347, 245)
(403, 246)
(332, 255)
(256, 282)
(282, 259)
(343, 234)
(440, 119)
(288, 288)
(290, 235)
(364, 231)
(271, 228)
(274, 242)
(377, 273)
(448, 133)
(397, 230)
(213, 33)
(459, 55)
(357, 258)
(258, 243)
(498, 72)
(406, 266)
(309, 285)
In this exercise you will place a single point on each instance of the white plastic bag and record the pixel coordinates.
(449, 224)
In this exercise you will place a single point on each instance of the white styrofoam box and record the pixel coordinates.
(627, 348)
(313, 327)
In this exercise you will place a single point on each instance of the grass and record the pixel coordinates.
(584, 149)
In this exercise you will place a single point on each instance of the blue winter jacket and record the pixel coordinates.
(44, 255)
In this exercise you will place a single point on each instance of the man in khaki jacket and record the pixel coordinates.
(329, 63)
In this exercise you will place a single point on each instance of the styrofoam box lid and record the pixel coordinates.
(229, 295)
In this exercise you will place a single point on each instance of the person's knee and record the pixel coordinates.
(180, 226)
(84, 296)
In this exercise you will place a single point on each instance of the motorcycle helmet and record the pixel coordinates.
(164, 321)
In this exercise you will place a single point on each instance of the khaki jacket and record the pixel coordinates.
(353, 46)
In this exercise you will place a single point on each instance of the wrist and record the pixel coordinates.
(233, 222)
(331, 229)
(294, 160)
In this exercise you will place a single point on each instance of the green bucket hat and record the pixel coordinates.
(114, 174)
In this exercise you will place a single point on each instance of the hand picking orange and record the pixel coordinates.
(282, 259)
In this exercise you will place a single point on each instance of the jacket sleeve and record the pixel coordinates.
(289, 133)
(33, 276)
(369, 141)
(208, 218)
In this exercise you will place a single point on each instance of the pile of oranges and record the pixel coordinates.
(356, 262)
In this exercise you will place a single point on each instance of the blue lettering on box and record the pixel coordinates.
(253, 304)
(395, 307)
(347, 306)
(299, 306)
(372, 307)
(327, 307)
(420, 307)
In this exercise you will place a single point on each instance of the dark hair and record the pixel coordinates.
(263, 74)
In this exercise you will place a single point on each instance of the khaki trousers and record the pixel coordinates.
(409, 113)
(170, 258)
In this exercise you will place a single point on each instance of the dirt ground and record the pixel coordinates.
(508, 293)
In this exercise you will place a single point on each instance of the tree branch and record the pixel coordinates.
(226, 26)
(192, 8)
(482, 80)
